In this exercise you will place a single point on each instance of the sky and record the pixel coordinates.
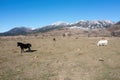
(39, 13)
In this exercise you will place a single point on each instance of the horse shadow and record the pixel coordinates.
(30, 50)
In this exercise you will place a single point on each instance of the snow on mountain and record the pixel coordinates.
(95, 24)
(83, 24)
(60, 23)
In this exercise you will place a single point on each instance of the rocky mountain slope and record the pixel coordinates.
(115, 29)
(83, 25)
(96, 24)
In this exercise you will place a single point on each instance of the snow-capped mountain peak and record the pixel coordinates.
(82, 24)
(60, 23)
(108, 21)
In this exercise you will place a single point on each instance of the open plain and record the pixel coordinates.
(67, 58)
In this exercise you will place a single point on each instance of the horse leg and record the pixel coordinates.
(29, 49)
(22, 50)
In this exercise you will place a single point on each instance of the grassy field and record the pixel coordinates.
(67, 58)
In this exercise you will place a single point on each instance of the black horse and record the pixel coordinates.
(24, 46)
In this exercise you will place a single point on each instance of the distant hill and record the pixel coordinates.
(118, 23)
(115, 29)
(82, 25)
(17, 31)
(96, 24)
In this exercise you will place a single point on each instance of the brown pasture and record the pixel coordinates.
(67, 58)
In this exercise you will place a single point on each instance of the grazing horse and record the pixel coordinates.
(24, 46)
(102, 43)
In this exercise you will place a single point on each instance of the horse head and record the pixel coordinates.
(19, 43)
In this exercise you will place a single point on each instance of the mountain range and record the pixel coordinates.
(83, 24)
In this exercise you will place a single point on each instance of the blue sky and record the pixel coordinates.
(39, 13)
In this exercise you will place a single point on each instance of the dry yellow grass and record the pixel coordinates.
(66, 58)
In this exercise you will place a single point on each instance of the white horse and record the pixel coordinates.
(102, 43)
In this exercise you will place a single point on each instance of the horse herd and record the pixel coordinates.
(102, 42)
